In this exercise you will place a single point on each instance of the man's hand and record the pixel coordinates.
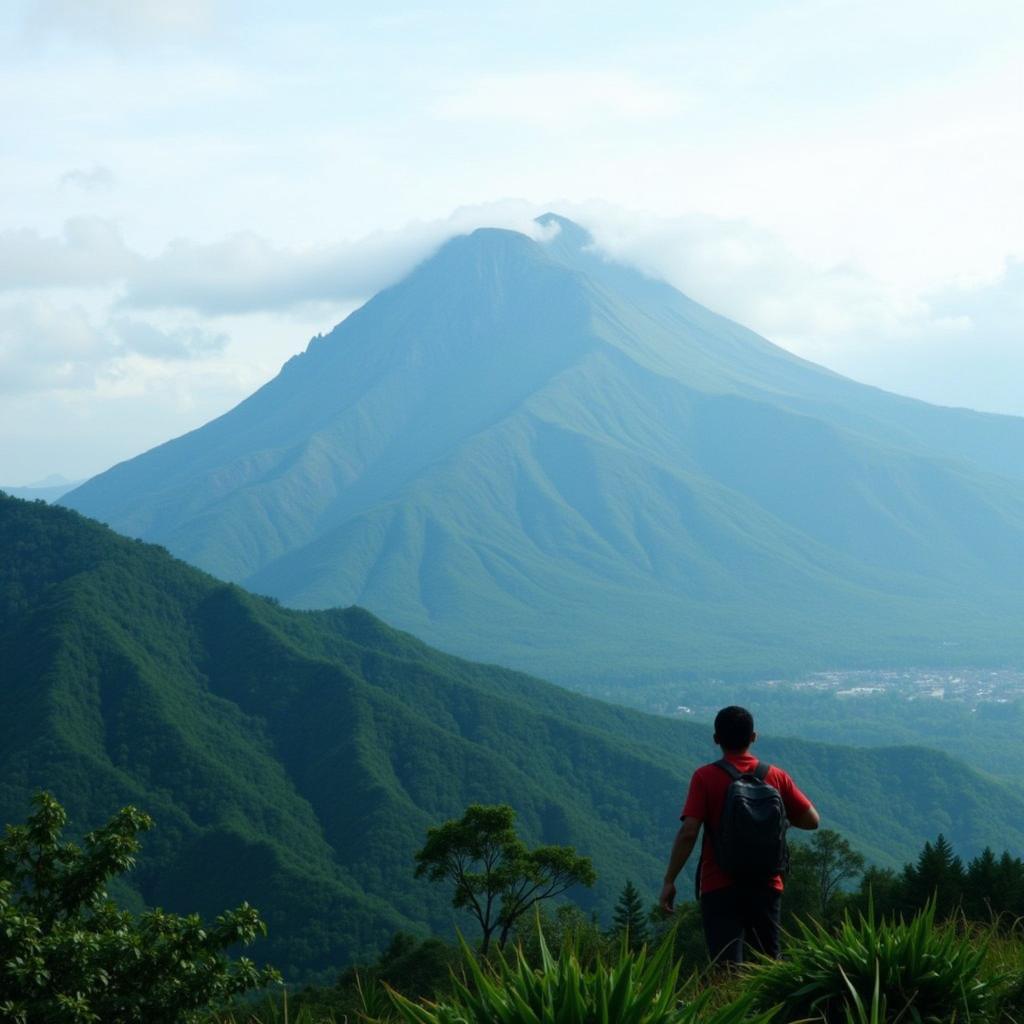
(809, 820)
(681, 850)
(668, 897)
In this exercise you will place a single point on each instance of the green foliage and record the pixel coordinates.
(418, 968)
(819, 871)
(937, 876)
(495, 876)
(913, 968)
(629, 919)
(988, 889)
(685, 930)
(564, 927)
(636, 988)
(296, 759)
(69, 956)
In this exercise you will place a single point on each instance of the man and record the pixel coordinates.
(732, 910)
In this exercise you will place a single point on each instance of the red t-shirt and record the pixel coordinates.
(706, 797)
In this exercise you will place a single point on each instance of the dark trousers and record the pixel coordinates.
(738, 914)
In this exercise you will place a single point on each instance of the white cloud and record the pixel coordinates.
(122, 21)
(749, 274)
(81, 432)
(146, 339)
(89, 252)
(553, 97)
(46, 346)
(246, 273)
(93, 179)
(960, 344)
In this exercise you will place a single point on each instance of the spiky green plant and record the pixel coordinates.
(856, 1010)
(921, 972)
(637, 988)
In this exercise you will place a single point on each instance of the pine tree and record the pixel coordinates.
(629, 918)
(981, 892)
(938, 874)
(1010, 885)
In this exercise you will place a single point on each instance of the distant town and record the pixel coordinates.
(967, 687)
(970, 686)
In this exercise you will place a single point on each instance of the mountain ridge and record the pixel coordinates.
(295, 759)
(523, 449)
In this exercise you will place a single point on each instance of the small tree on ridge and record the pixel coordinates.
(629, 918)
(496, 878)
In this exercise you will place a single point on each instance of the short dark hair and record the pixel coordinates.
(734, 728)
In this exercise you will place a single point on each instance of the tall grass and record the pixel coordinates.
(866, 971)
(901, 970)
(635, 988)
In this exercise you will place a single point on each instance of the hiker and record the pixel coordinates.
(745, 806)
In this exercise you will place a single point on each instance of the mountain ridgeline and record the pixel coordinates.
(295, 759)
(525, 453)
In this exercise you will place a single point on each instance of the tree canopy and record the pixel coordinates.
(495, 876)
(68, 954)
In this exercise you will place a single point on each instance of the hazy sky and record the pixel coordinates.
(194, 188)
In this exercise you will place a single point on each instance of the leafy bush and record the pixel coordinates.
(1004, 965)
(637, 988)
(565, 927)
(915, 969)
(69, 956)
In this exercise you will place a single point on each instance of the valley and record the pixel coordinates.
(976, 714)
(295, 759)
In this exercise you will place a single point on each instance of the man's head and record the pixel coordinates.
(734, 729)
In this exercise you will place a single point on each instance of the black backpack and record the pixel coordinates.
(750, 842)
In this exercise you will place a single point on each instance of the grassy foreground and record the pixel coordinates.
(867, 970)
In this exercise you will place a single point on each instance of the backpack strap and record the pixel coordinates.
(760, 771)
(729, 768)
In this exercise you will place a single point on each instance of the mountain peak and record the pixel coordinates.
(524, 449)
(570, 234)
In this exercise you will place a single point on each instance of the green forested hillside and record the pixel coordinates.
(524, 452)
(295, 759)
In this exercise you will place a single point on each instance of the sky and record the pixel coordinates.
(192, 190)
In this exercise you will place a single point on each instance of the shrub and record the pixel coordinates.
(637, 988)
(1004, 965)
(68, 954)
(915, 969)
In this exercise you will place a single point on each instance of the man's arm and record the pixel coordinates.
(809, 819)
(686, 839)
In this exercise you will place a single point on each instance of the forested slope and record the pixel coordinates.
(295, 759)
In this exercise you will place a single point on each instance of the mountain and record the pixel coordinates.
(48, 489)
(525, 453)
(295, 759)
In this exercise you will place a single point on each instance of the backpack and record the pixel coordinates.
(750, 842)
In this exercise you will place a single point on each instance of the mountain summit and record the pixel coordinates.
(527, 453)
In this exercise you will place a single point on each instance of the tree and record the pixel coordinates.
(803, 893)
(629, 918)
(882, 890)
(497, 879)
(817, 871)
(939, 875)
(835, 861)
(67, 954)
(981, 893)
